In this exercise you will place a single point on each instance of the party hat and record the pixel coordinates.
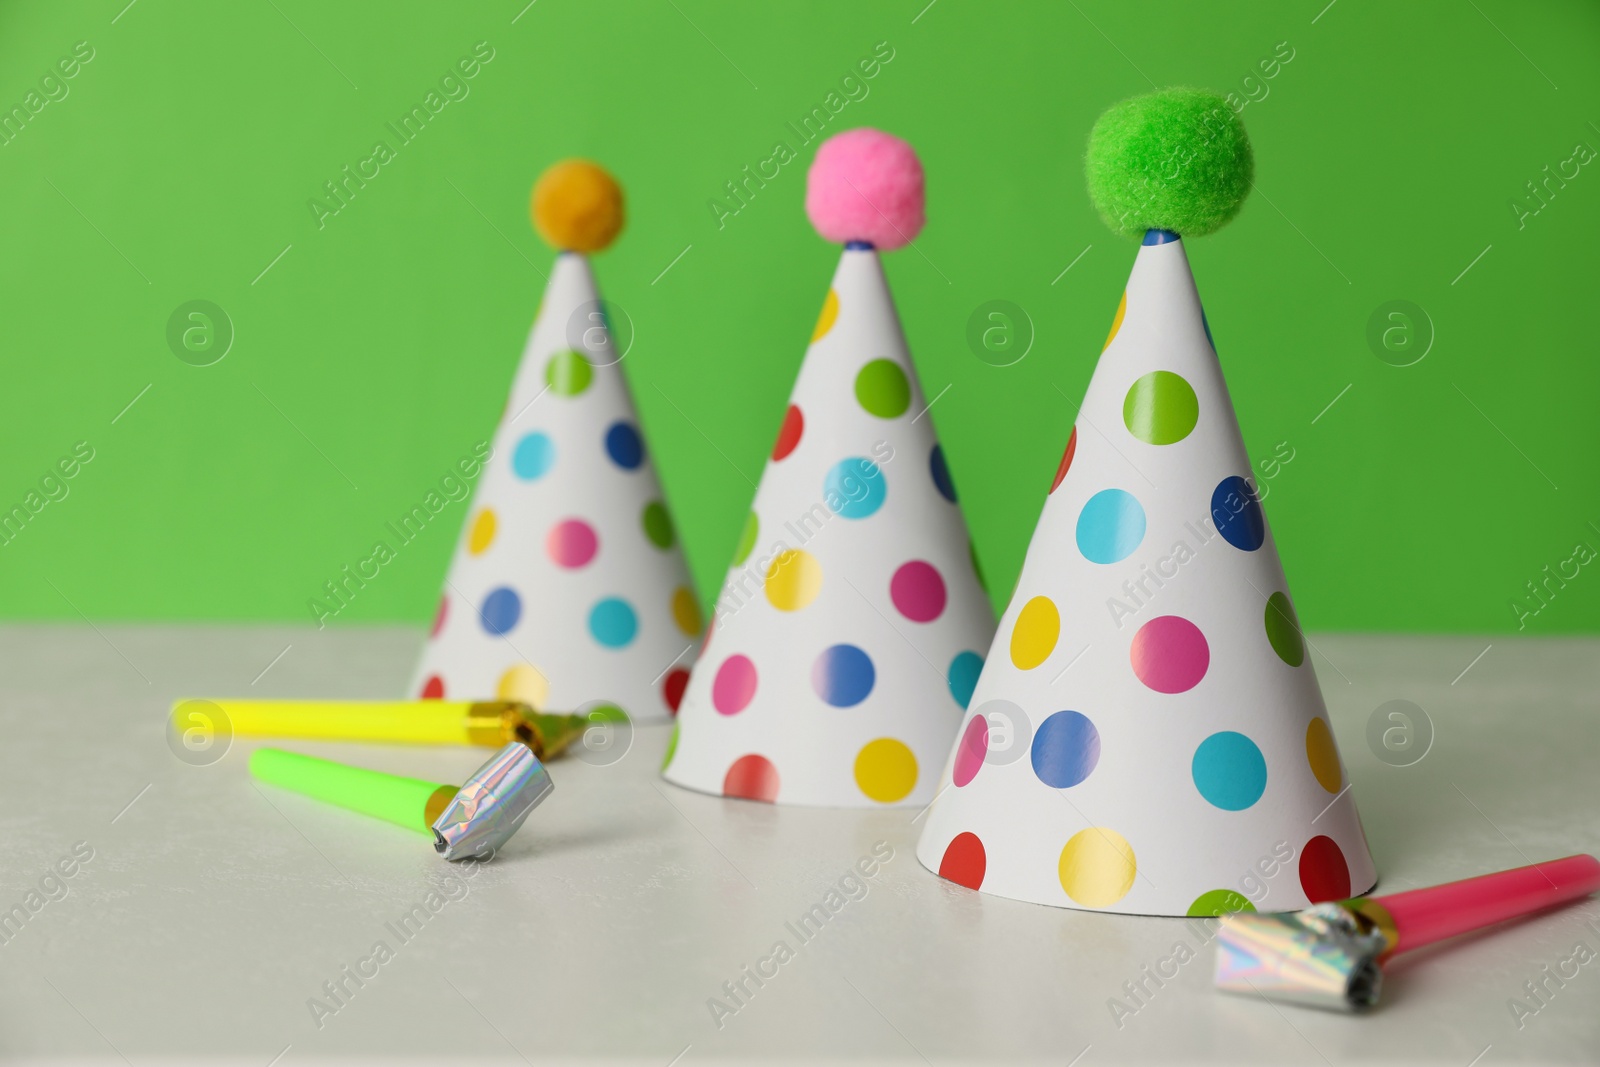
(1148, 735)
(567, 587)
(848, 634)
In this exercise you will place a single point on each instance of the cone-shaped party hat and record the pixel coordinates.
(1148, 735)
(568, 586)
(851, 626)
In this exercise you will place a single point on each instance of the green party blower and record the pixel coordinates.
(474, 820)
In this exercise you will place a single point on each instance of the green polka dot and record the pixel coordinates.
(882, 389)
(568, 373)
(672, 747)
(1216, 902)
(658, 524)
(607, 713)
(1160, 408)
(747, 540)
(1283, 630)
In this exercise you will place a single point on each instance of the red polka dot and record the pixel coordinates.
(672, 689)
(918, 591)
(734, 686)
(705, 642)
(1170, 654)
(433, 688)
(571, 543)
(438, 620)
(1324, 875)
(794, 424)
(1066, 460)
(753, 778)
(964, 861)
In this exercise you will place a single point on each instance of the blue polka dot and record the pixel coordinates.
(1110, 526)
(535, 454)
(1159, 237)
(501, 610)
(613, 622)
(941, 474)
(1206, 323)
(1237, 513)
(854, 488)
(843, 675)
(1065, 749)
(963, 676)
(1230, 771)
(625, 446)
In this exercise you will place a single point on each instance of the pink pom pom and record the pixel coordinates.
(866, 185)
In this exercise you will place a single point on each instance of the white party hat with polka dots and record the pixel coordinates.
(568, 588)
(1148, 735)
(847, 636)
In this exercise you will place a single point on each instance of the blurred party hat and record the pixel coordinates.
(848, 634)
(568, 586)
(1148, 735)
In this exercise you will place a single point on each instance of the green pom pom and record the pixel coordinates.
(1177, 159)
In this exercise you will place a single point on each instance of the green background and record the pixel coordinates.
(378, 349)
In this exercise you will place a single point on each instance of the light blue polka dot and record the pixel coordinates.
(1230, 771)
(534, 455)
(613, 623)
(1110, 526)
(963, 676)
(855, 488)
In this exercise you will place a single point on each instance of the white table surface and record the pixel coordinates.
(212, 909)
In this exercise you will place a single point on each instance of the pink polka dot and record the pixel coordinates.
(970, 752)
(1169, 654)
(734, 686)
(438, 620)
(918, 591)
(571, 543)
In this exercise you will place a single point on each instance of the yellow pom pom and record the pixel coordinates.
(577, 206)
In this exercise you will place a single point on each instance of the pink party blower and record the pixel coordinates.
(1328, 956)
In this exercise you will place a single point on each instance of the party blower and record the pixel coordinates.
(472, 821)
(1330, 956)
(490, 723)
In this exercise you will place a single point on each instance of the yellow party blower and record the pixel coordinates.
(474, 820)
(490, 723)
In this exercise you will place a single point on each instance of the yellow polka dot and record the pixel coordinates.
(1323, 755)
(524, 682)
(1097, 867)
(825, 321)
(482, 534)
(1034, 636)
(793, 580)
(886, 770)
(685, 611)
(1116, 323)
